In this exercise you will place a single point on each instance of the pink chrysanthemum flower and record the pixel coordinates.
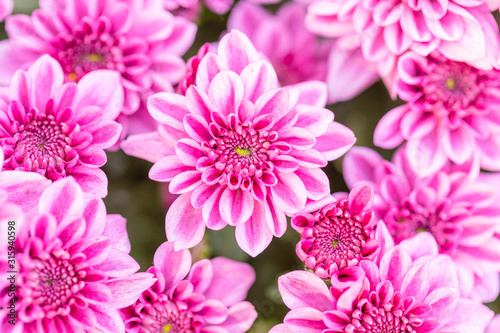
(73, 267)
(408, 289)
(142, 43)
(452, 113)
(339, 235)
(209, 299)
(57, 129)
(459, 30)
(239, 149)
(455, 205)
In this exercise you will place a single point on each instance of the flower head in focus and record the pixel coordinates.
(339, 235)
(239, 149)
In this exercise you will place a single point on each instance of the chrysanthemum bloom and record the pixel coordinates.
(456, 206)
(452, 113)
(142, 43)
(73, 267)
(339, 235)
(239, 149)
(403, 291)
(297, 55)
(459, 30)
(208, 299)
(57, 129)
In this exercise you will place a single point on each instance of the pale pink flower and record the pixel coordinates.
(140, 42)
(73, 267)
(205, 297)
(452, 112)
(456, 205)
(6, 7)
(297, 55)
(461, 30)
(58, 129)
(339, 235)
(408, 289)
(192, 69)
(239, 149)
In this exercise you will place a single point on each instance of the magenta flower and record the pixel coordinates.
(403, 291)
(339, 235)
(57, 129)
(494, 325)
(192, 69)
(142, 43)
(458, 207)
(209, 299)
(461, 30)
(452, 113)
(73, 266)
(239, 149)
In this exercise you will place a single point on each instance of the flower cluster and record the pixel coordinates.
(239, 134)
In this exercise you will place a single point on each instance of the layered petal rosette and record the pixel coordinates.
(141, 42)
(60, 129)
(459, 30)
(297, 55)
(72, 264)
(408, 289)
(452, 112)
(239, 149)
(205, 297)
(457, 205)
(339, 235)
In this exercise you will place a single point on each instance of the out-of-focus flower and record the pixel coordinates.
(239, 149)
(208, 299)
(140, 42)
(339, 235)
(453, 111)
(6, 7)
(459, 30)
(406, 290)
(57, 129)
(73, 267)
(457, 206)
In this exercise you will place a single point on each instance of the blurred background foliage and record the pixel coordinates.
(144, 202)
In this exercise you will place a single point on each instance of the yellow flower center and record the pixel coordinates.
(450, 84)
(242, 152)
(167, 328)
